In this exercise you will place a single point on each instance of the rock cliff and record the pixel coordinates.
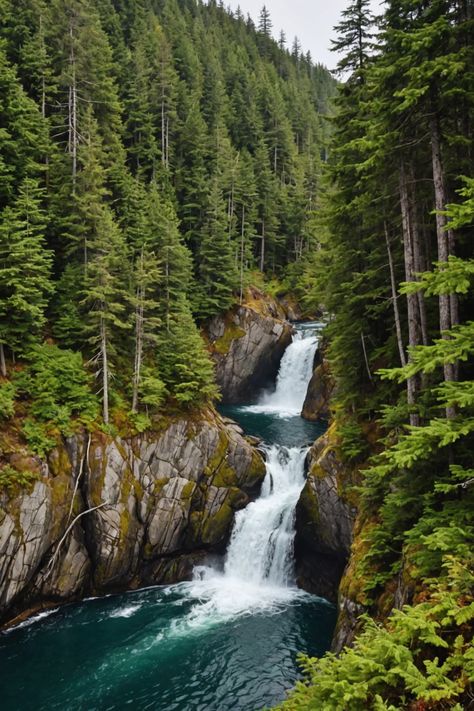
(110, 513)
(320, 389)
(324, 520)
(247, 345)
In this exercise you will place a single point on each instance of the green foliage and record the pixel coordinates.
(38, 437)
(185, 365)
(58, 387)
(11, 478)
(422, 654)
(353, 444)
(7, 400)
(139, 421)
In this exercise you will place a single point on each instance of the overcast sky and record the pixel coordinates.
(311, 20)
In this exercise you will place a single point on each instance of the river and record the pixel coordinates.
(226, 640)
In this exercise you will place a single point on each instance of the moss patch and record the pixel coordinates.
(231, 333)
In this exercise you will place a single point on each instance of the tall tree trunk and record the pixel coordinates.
(396, 312)
(242, 244)
(418, 257)
(163, 128)
(138, 343)
(105, 371)
(262, 250)
(3, 364)
(414, 330)
(445, 239)
(168, 295)
(72, 139)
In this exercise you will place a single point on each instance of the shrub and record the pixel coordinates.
(7, 400)
(11, 477)
(58, 386)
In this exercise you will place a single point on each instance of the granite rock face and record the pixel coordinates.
(110, 514)
(247, 345)
(320, 390)
(324, 521)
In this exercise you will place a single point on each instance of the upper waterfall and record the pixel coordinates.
(296, 369)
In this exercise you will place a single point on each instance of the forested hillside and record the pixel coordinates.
(395, 269)
(157, 156)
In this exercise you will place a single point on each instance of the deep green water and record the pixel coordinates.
(147, 650)
(290, 431)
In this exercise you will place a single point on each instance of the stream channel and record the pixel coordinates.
(226, 640)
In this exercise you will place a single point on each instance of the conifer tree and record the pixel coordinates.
(25, 270)
(265, 31)
(105, 299)
(354, 37)
(216, 278)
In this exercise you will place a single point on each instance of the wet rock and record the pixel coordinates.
(320, 390)
(324, 520)
(247, 345)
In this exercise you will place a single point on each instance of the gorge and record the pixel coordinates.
(227, 639)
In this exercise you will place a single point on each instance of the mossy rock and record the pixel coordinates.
(256, 473)
(215, 529)
(308, 511)
(231, 333)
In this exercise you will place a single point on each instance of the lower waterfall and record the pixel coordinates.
(266, 526)
(258, 568)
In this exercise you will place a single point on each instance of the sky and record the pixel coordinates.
(311, 20)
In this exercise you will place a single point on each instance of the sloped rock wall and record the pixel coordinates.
(324, 520)
(109, 514)
(247, 345)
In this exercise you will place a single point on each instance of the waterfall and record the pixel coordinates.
(261, 547)
(296, 369)
(258, 568)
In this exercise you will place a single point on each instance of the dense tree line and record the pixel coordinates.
(395, 271)
(153, 154)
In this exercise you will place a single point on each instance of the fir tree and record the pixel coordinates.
(25, 270)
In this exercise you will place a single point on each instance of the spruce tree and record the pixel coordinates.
(216, 278)
(25, 270)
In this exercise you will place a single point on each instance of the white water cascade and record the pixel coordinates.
(295, 372)
(258, 570)
(261, 547)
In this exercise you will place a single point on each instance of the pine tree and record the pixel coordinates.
(265, 31)
(354, 37)
(216, 278)
(147, 275)
(105, 299)
(25, 270)
(174, 257)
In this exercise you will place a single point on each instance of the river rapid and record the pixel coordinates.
(226, 640)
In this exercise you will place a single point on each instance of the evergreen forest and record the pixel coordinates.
(158, 158)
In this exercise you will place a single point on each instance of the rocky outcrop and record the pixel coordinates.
(247, 345)
(320, 390)
(324, 520)
(112, 513)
